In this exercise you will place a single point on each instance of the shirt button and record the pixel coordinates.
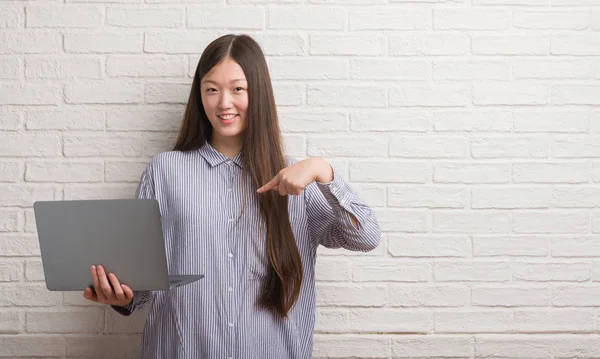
(230, 255)
(230, 289)
(230, 219)
(229, 189)
(230, 325)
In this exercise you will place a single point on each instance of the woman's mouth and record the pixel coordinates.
(227, 119)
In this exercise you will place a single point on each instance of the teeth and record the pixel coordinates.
(227, 117)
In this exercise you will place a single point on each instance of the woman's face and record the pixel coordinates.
(225, 100)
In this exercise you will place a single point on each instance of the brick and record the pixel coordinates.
(351, 295)
(473, 121)
(429, 246)
(30, 42)
(511, 197)
(27, 295)
(396, 220)
(295, 145)
(62, 67)
(390, 69)
(159, 142)
(388, 18)
(429, 147)
(576, 295)
(428, 295)
(308, 69)
(178, 42)
(510, 45)
(387, 320)
(552, 121)
(11, 68)
(391, 120)
(65, 119)
(464, 172)
(118, 324)
(306, 18)
(10, 220)
(473, 321)
(144, 119)
(10, 322)
(21, 345)
(471, 70)
(554, 19)
(347, 145)
(313, 121)
(510, 295)
(346, 346)
(373, 195)
(514, 346)
(11, 270)
(507, 147)
(354, 96)
(29, 145)
(390, 171)
(429, 95)
(30, 226)
(11, 171)
(427, 196)
(236, 17)
(574, 2)
(145, 66)
(595, 24)
(510, 94)
(66, 16)
(544, 272)
(331, 321)
(511, 2)
(429, 44)
(371, 45)
(575, 94)
(124, 171)
(103, 43)
(103, 346)
(34, 270)
(19, 245)
(551, 222)
(105, 92)
(550, 172)
(571, 346)
(472, 271)
(471, 19)
(428, 346)
(390, 271)
(289, 94)
(30, 94)
(64, 171)
(102, 145)
(345, 2)
(575, 45)
(575, 197)
(576, 246)
(145, 17)
(12, 16)
(554, 320)
(10, 119)
(65, 321)
(280, 44)
(333, 269)
(167, 93)
(107, 191)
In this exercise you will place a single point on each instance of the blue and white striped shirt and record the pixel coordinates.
(200, 194)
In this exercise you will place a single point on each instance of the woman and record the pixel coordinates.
(233, 208)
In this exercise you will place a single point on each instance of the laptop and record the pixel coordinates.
(123, 235)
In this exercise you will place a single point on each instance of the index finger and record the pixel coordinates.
(269, 185)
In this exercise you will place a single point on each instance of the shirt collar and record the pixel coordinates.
(215, 158)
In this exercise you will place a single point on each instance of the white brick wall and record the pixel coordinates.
(471, 127)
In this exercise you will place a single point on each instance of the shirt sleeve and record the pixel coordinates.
(145, 190)
(328, 207)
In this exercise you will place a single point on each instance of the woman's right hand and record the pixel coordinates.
(107, 289)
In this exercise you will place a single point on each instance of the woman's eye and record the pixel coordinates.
(210, 90)
(239, 89)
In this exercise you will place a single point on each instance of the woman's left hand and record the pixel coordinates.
(295, 178)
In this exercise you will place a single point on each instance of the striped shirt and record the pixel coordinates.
(201, 194)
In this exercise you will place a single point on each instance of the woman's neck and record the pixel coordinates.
(230, 147)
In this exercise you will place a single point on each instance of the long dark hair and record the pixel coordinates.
(262, 160)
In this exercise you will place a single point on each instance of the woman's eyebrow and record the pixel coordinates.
(232, 81)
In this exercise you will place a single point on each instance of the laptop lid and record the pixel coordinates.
(123, 235)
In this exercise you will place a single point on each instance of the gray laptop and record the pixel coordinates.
(123, 235)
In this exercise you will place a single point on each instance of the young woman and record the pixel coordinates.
(235, 209)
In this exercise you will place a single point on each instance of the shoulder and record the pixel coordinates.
(169, 160)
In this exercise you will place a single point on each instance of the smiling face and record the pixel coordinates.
(225, 99)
